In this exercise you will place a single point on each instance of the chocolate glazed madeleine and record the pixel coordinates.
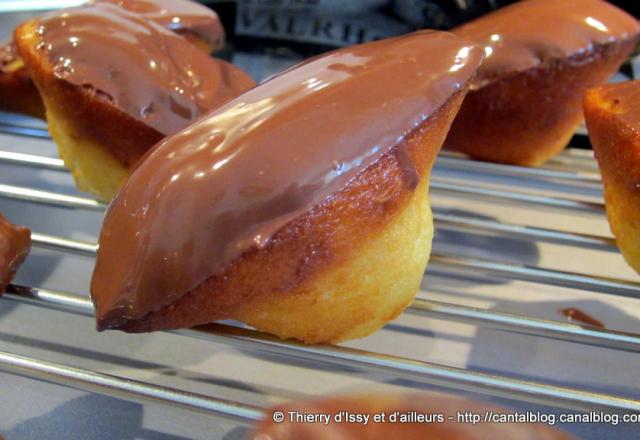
(114, 84)
(300, 207)
(409, 406)
(15, 243)
(199, 24)
(542, 55)
(613, 119)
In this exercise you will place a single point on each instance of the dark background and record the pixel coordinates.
(291, 23)
(436, 14)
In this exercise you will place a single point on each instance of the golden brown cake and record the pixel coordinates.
(411, 416)
(15, 243)
(301, 207)
(613, 119)
(526, 101)
(114, 83)
(197, 23)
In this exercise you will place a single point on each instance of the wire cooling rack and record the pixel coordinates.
(513, 247)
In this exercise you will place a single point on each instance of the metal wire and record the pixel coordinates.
(511, 196)
(448, 160)
(50, 198)
(395, 366)
(531, 326)
(437, 184)
(63, 244)
(612, 286)
(456, 264)
(445, 160)
(446, 220)
(482, 226)
(24, 130)
(570, 332)
(127, 389)
(22, 159)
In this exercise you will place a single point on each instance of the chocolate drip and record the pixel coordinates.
(529, 33)
(573, 314)
(227, 183)
(15, 243)
(147, 71)
(182, 16)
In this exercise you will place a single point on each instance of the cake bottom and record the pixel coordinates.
(363, 293)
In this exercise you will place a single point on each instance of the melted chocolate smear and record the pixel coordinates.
(573, 314)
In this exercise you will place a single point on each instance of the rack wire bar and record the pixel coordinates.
(447, 220)
(423, 372)
(531, 326)
(486, 193)
(34, 160)
(63, 200)
(50, 198)
(515, 322)
(451, 263)
(578, 153)
(437, 184)
(567, 331)
(396, 366)
(465, 164)
(475, 225)
(612, 286)
(63, 244)
(24, 130)
(126, 389)
(573, 162)
(443, 221)
(570, 164)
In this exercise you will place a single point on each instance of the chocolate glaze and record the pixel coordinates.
(624, 100)
(529, 33)
(147, 71)
(229, 182)
(182, 16)
(8, 55)
(573, 314)
(15, 242)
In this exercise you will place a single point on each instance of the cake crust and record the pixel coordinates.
(528, 117)
(616, 144)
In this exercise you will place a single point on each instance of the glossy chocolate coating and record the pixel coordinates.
(229, 182)
(531, 32)
(8, 55)
(182, 16)
(623, 100)
(15, 243)
(147, 71)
